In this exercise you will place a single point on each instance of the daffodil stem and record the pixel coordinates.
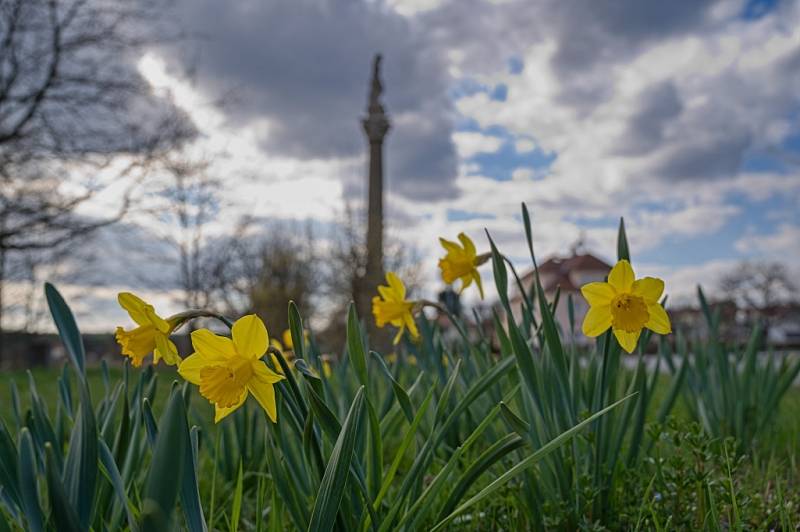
(300, 405)
(446, 311)
(186, 315)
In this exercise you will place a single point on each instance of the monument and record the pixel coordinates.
(376, 125)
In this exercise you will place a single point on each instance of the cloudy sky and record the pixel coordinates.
(681, 116)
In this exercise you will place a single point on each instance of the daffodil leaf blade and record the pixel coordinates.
(331, 489)
(296, 330)
(80, 468)
(67, 328)
(166, 468)
(623, 251)
(355, 346)
(64, 513)
(28, 485)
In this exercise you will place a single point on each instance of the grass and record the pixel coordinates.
(765, 481)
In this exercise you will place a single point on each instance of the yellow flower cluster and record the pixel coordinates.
(226, 370)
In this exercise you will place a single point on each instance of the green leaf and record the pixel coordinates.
(519, 425)
(331, 489)
(64, 516)
(67, 328)
(190, 494)
(296, 330)
(399, 393)
(28, 485)
(80, 468)
(236, 511)
(499, 449)
(500, 275)
(623, 252)
(526, 221)
(355, 346)
(166, 468)
(112, 473)
(408, 437)
(540, 453)
(9, 473)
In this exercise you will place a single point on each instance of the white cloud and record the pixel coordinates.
(471, 143)
(783, 244)
(524, 145)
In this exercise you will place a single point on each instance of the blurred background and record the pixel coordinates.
(236, 155)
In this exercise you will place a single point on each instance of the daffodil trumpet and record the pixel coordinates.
(228, 370)
(625, 305)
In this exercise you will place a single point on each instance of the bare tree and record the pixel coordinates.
(264, 266)
(759, 287)
(185, 198)
(75, 116)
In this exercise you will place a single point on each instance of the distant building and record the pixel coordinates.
(567, 274)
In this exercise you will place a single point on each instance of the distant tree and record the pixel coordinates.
(759, 287)
(263, 266)
(183, 198)
(75, 117)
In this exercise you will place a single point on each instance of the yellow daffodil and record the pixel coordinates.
(327, 368)
(461, 262)
(287, 339)
(392, 307)
(228, 369)
(288, 355)
(151, 335)
(625, 304)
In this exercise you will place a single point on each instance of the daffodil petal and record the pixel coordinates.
(212, 345)
(265, 375)
(659, 320)
(621, 276)
(627, 340)
(449, 245)
(220, 412)
(166, 350)
(396, 285)
(650, 288)
(386, 293)
(598, 293)
(158, 322)
(411, 325)
(465, 282)
(190, 367)
(250, 336)
(287, 339)
(265, 395)
(398, 336)
(469, 246)
(135, 307)
(477, 277)
(597, 321)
